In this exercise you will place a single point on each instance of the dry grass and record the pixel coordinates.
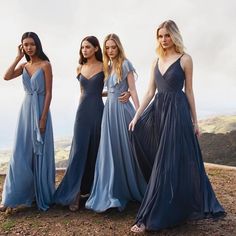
(60, 221)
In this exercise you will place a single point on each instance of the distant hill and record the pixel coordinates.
(218, 124)
(219, 148)
(218, 139)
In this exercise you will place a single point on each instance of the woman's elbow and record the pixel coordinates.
(48, 96)
(6, 77)
(189, 92)
(150, 94)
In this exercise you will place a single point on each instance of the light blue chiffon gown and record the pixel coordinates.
(31, 172)
(118, 178)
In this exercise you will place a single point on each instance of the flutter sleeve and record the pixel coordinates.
(126, 68)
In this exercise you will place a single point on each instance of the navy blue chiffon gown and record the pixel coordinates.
(79, 174)
(164, 140)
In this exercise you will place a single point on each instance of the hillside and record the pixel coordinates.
(219, 148)
(218, 124)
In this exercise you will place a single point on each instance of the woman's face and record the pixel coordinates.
(111, 49)
(29, 46)
(87, 49)
(165, 39)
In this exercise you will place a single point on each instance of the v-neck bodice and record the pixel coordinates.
(35, 82)
(92, 86)
(173, 78)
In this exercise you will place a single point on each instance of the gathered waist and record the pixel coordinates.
(91, 94)
(35, 93)
(114, 92)
(170, 91)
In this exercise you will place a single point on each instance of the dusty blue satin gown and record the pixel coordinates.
(79, 175)
(179, 188)
(118, 177)
(31, 172)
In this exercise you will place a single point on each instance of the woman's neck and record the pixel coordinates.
(170, 52)
(34, 60)
(91, 61)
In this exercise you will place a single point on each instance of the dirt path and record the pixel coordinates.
(59, 221)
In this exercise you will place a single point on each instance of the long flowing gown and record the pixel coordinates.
(118, 177)
(179, 188)
(80, 172)
(31, 172)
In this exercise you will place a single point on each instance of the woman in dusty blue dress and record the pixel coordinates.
(118, 178)
(31, 172)
(178, 189)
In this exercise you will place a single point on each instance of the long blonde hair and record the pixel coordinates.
(175, 35)
(117, 63)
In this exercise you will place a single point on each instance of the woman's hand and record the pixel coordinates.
(132, 124)
(196, 129)
(124, 97)
(42, 125)
(20, 52)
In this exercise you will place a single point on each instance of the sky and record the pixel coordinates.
(208, 28)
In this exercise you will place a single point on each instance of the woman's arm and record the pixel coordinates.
(146, 99)
(13, 72)
(78, 70)
(48, 95)
(187, 65)
(132, 89)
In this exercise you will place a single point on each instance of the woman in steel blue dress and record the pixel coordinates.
(178, 189)
(31, 172)
(118, 178)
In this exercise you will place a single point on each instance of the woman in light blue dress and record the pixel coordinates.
(31, 172)
(118, 177)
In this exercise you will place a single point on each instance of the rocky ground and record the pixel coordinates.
(60, 221)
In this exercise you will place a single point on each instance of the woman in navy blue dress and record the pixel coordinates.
(79, 174)
(179, 188)
(78, 178)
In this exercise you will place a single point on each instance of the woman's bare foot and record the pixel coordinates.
(9, 210)
(138, 228)
(3, 208)
(75, 205)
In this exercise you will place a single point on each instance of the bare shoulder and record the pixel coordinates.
(186, 58)
(78, 69)
(186, 61)
(154, 63)
(46, 66)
